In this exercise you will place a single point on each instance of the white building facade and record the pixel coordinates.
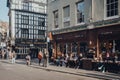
(27, 20)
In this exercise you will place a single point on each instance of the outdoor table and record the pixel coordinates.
(109, 66)
(87, 64)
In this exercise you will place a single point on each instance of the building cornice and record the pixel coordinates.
(29, 11)
(103, 23)
(69, 29)
(96, 24)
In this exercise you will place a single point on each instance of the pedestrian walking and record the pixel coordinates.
(28, 59)
(3, 54)
(7, 53)
(0, 53)
(13, 57)
(40, 56)
(10, 55)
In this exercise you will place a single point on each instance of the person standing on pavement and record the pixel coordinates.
(28, 59)
(3, 54)
(40, 56)
(0, 53)
(45, 58)
(10, 55)
(7, 53)
(13, 57)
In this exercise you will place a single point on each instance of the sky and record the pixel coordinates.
(3, 11)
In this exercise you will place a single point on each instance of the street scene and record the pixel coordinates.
(60, 40)
(22, 72)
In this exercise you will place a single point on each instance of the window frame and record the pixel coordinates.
(41, 22)
(56, 17)
(66, 19)
(25, 19)
(25, 6)
(24, 33)
(83, 13)
(105, 12)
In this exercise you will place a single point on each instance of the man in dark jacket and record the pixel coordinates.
(45, 58)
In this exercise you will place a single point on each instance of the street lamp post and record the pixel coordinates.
(47, 34)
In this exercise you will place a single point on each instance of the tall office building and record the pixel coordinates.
(27, 21)
(84, 26)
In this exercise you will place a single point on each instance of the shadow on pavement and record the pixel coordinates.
(6, 62)
(105, 76)
(23, 63)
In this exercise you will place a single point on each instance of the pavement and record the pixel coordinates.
(79, 72)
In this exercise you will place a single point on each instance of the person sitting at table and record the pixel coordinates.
(78, 61)
(101, 67)
(67, 59)
(108, 56)
(62, 58)
(100, 64)
(73, 59)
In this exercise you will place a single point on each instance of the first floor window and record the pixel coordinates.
(66, 15)
(80, 12)
(112, 7)
(55, 18)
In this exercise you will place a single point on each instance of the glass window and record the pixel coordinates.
(24, 33)
(25, 19)
(66, 15)
(55, 18)
(80, 12)
(74, 47)
(41, 22)
(66, 11)
(26, 6)
(112, 7)
(41, 32)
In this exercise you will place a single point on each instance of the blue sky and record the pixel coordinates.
(3, 11)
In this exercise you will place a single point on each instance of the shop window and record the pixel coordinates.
(67, 48)
(24, 33)
(83, 48)
(74, 47)
(117, 45)
(59, 53)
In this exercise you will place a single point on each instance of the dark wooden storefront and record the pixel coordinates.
(82, 40)
(90, 38)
